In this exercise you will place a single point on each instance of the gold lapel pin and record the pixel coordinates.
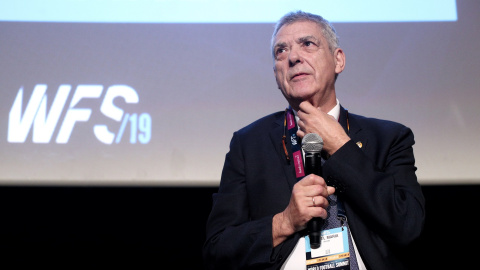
(359, 144)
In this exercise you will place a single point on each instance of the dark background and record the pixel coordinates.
(156, 227)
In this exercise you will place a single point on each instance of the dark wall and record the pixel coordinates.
(151, 227)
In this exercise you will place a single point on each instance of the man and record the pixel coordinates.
(260, 214)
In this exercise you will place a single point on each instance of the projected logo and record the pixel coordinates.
(44, 123)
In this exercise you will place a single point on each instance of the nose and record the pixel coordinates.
(294, 57)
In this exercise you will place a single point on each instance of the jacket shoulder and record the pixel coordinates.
(258, 127)
(377, 124)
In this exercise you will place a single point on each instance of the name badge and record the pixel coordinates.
(333, 252)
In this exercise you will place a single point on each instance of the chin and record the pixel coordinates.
(305, 95)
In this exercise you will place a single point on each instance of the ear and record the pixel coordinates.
(339, 57)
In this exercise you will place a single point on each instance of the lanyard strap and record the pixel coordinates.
(291, 126)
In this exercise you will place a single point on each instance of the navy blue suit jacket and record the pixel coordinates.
(377, 182)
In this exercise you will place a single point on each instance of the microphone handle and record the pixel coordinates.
(313, 164)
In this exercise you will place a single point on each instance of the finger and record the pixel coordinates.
(300, 134)
(312, 179)
(319, 201)
(319, 212)
(306, 107)
(319, 191)
(300, 124)
(315, 191)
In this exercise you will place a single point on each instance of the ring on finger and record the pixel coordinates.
(313, 201)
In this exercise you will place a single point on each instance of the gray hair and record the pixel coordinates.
(328, 31)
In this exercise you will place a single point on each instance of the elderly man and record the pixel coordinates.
(367, 197)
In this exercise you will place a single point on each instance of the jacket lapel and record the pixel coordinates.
(352, 128)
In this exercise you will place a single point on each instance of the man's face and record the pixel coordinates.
(305, 68)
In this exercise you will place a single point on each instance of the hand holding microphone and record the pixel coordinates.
(309, 199)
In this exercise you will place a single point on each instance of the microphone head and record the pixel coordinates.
(312, 142)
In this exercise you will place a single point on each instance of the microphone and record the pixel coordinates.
(312, 144)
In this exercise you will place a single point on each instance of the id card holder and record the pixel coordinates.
(333, 252)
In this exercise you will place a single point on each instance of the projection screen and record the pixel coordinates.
(149, 92)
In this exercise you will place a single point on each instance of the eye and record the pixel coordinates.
(308, 43)
(279, 51)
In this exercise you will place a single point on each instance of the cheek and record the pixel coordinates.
(279, 75)
(279, 81)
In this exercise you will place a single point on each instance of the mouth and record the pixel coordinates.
(298, 76)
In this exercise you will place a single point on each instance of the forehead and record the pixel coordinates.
(296, 30)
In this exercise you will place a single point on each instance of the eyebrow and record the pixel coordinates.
(307, 38)
(280, 45)
(299, 40)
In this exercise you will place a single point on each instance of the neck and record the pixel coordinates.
(324, 104)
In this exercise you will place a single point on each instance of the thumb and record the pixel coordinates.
(330, 190)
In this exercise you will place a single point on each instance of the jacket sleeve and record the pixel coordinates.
(379, 186)
(235, 240)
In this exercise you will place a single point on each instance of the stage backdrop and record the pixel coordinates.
(121, 92)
